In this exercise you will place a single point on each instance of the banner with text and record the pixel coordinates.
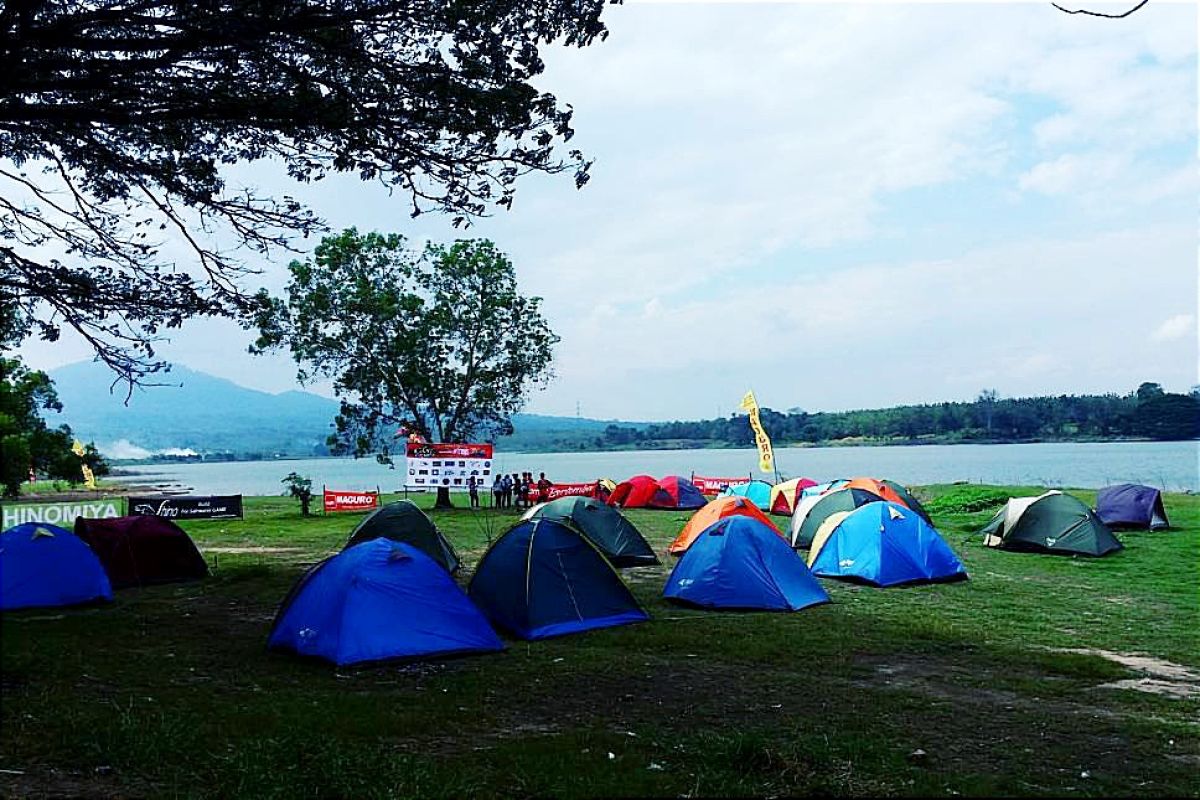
(449, 466)
(558, 490)
(62, 514)
(350, 501)
(766, 458)
(708, 485)
(188, 506)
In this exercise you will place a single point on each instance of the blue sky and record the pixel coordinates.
(839, 207)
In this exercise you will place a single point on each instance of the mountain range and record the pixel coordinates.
(199, 413)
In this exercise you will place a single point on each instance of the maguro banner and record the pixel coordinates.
(350, 501)
(447, 466)
(558, 490)
(717, 485)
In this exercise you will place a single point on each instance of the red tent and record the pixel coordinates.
(140, 550)
(680, 493)
(636, 492)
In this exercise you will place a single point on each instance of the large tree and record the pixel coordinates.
(119, 117)
(438, 341)
(27, 443)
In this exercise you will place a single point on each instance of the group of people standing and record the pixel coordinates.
(519, 489)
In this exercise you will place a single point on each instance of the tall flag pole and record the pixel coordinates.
(766, 458)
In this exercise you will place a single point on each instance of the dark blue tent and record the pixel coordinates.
(543, 578)
(884, 544)
(1129, 505)
(380, 600)
(44, 565)
(738, 562)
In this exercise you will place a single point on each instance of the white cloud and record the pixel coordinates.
(743, 152)
(1176, 327)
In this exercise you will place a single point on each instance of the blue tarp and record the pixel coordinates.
(886, 544)
(738, 562)
(380, 600)
(44, 565)
(543, 578)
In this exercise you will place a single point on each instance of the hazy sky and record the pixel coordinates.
(839, 207)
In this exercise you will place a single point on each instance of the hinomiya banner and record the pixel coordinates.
(766, 458)
(449, 466)
(708, 485)
(188, 506)
(62, 514)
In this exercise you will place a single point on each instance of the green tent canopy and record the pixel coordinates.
(614, 536)
(402, 521)
(1049, 523)
(804, 528)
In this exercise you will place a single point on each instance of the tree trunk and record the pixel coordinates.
(443, 498)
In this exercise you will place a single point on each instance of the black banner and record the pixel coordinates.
(188, 507)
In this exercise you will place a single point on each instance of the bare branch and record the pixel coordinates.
(1099, 13)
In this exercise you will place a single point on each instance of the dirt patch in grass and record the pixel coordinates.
(56, 783)
(254, 549)
(1160, 677)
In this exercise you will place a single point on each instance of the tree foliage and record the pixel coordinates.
(26, 441)
(1148, 412)
(438, 341)
(299, 487)
(118, 120)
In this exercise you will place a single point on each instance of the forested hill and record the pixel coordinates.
(1148, 413)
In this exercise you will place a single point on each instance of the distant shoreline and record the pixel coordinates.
(668, 444)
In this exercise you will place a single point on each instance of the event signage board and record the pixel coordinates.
(350, 501)
(189, 506)
(557, 490)
(708, 485)
(448, 466)
(62, 514)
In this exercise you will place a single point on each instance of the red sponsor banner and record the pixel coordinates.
(558, 490)
(350, 501)
(717, 485)
(445, 450)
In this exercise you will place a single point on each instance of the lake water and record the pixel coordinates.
(1174, 466)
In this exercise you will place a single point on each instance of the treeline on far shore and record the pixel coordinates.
(1147, 413)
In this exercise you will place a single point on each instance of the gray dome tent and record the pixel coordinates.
(1049, 523)
(614, 536)
(402, 521)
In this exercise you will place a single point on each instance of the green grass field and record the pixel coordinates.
(999, 685)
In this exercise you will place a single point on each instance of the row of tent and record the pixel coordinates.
(45, 565)
(555, 573)
(390, 592)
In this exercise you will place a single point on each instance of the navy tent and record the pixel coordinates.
(44, 565)
(620, 542)
(1129, 505)
(543, 578)
(883, 544)
(738, 562)
(402, 521)
(376, 601)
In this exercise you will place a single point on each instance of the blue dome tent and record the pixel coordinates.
(376, 601)
(43, 565)
(543, 578)
(738, 562)
(883, 544)
(756, 491)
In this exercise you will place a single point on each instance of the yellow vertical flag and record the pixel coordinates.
(89, 480)
(766, 458)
